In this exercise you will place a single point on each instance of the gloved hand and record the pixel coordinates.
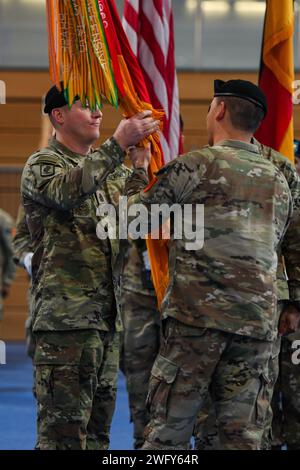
(27, 262)
(146, 272)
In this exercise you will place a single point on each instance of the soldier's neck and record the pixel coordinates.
(71, 144)
(232, 135)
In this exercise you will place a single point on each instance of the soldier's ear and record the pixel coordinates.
(221, 111)
(57, 115)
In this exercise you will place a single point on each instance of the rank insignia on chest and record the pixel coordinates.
(47, 170)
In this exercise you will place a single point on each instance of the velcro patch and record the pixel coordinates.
(47, 170)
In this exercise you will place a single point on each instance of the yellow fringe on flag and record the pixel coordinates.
(79, 57)
(78, 53)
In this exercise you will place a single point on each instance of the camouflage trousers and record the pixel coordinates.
(139, 348)
(30, 340)
(194, 361)
(206, 429)
(30, 336)
(31, 346)
(286, 400)
(76, 381)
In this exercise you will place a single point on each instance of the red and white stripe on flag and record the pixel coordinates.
(150, 29)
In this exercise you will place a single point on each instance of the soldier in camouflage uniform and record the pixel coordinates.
(22, 241)
(140, 338)
(286, 399)
(7, 267)
(141, 335)
(219, 310)
(297, 155)
(22, 256)
(286, 423)
(73, 299)
(206, 434)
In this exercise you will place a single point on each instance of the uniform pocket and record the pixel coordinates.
(58, 360)
(58, 349)
(58, 386)
(66, 388)
(44, 384)
(163, 376)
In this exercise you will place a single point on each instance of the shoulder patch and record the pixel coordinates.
(120, 171)
(47, 170)
(46, 158)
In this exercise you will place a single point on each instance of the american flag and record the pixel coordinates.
(150, 29)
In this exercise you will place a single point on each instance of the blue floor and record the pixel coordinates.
(17, 405)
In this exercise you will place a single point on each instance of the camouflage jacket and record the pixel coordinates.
(133, 276)
(229, 284)
(288, 274)
(73, 282)
(22, 242)
(7, 266)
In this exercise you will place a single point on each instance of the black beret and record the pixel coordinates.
(241, 89)
(54, 99)
(297, 148)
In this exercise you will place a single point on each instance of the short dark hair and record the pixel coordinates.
(244, 115)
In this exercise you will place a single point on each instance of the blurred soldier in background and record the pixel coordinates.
(23, 252)
(297, 155)
(286, 399)
(23, 249)
(141, 333)
(7, 266)
(142, 323)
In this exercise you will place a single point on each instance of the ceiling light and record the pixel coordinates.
(219, 7)
(248, 8)
(191, 5)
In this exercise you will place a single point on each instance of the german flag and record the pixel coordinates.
(277, 76)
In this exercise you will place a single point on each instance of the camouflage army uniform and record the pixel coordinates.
(73, 295)
(284, 420)
(206, 434)
(286, 402)
(282, 293)
(285, 426)
(221, 339)
(22, 245)
(141, 335)
(7, 267)
(206, 429)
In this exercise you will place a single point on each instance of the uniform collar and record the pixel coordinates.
(53, 143)
(238, 144)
